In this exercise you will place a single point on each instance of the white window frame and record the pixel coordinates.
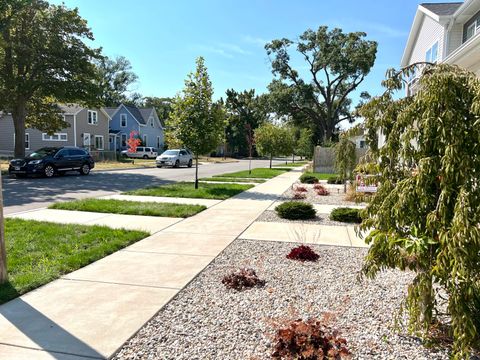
(145, 138)
(90, 117)
(429, 52)
(103, 142)
(122, 136)
(152, 122)
(55, 137)
(476, 27)
(158, 143)
(27, 141)
(123, 117)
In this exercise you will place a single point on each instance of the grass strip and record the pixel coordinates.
(39, 252)
(131, 207)
(187, 190)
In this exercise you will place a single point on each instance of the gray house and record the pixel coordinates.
(88, 129)
(124, 119)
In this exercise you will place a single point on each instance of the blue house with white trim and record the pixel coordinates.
(124, 119)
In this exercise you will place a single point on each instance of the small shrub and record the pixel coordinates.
(242, 279)
(334, 180)
(301, 189)
(296, 210)
(308, 179)
(308, 340)
(299, 195)
(321, 190)
(303, 253)
(347, 215)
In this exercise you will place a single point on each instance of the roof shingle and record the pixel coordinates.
(442, 9)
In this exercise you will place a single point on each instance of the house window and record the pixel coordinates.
(145, 140)
(99, 142)
(151, 122)
(124, 140)
(92, 117)
(432, 53)
(123, 120)
(158, 142)
(27, 141)
(55, 137)
(362, 144)
(471, 29)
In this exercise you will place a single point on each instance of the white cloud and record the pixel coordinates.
(254, 40)
(223, 49)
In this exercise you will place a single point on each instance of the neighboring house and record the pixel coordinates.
(88, 129)
(444, 32)
(359, 141)
(125, 119)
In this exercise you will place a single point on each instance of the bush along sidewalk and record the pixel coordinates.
(347, 215)
(296, 210)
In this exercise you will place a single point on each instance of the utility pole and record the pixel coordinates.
(3, 254)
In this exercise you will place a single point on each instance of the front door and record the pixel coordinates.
(86, 140)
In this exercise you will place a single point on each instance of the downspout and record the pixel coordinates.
(446, 38)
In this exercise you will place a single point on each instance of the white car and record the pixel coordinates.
(175, 158)
(143, 152)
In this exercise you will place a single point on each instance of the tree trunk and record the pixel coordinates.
(19, 114)
(3, 254)
(271, 158)
(196, 171)
(293, 158)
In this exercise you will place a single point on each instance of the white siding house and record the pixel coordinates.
(446, 32)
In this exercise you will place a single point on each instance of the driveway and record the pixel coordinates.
(33, 193)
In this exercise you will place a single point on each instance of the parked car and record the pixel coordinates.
(175, 158)
(49, 161)
(142, 152)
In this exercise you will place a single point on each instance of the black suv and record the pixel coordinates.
(51, 160)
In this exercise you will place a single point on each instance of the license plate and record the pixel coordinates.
(17, 168)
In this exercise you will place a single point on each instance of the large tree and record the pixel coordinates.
(115, 78)
(163, 106)
(245, 110)
(337, 64)
(43, 61)
(425, 216)
(195, 121)
(3, 254)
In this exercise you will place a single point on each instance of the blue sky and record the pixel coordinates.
(162, 38)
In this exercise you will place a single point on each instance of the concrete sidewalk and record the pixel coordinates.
(91, 312)
(150, 224)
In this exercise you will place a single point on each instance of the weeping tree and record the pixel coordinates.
(345, 159)
(426, 214)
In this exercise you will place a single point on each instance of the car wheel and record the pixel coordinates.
(190, 163)
(49, 171)
(177, 163)
(145, 156)
(85, 169)
(20, 176)
(158, 166)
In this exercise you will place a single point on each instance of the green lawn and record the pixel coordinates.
(39, 252)
(295, 164)
(131, 207)
(187, 190)
(220, 179)
(262, 173)
(322, 176)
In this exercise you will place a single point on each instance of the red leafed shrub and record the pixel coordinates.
(321, 190)
(303, 253)
(242, 279)
(309, 340)
(301, 189)
(299, 195)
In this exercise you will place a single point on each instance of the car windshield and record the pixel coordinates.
(171, 152)
(40, 154)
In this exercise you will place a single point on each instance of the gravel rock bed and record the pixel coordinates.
(207, 321)
(321, 219)
(336, 197)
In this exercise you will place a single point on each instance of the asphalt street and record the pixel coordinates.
(33, 193)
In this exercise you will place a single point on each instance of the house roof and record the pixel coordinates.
(70, 108)
(110, 111)
(442, 9)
